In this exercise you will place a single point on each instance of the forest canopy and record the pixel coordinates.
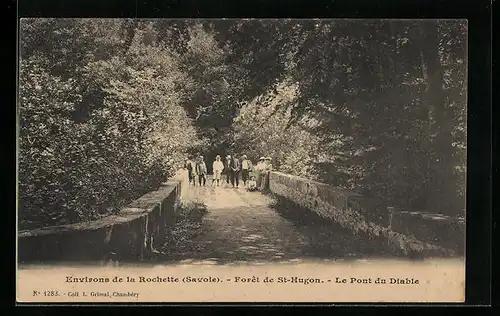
(109, 108)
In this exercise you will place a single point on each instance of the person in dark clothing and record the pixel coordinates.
(189, 165)
(252, 184)
(201, 170)
(235, 171)
(227, 169)
(246, 167)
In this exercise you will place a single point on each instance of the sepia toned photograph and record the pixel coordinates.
(241, 160)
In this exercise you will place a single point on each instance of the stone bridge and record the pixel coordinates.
(294, 218)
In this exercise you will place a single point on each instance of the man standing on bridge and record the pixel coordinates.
(235, 171)
(201, 170)
(227, 169)
(190, 166)
(246, 166)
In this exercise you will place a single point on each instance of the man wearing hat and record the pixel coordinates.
(227, 169)
(201, 170)
(189, 166)
(235, 166)
(246, 166)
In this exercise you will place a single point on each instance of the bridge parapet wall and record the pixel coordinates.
(131, 234)
(409, 232)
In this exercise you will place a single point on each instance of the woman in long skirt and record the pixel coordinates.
(259, 169)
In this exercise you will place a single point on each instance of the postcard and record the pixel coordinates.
(241, 160)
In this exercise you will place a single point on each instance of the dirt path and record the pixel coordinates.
(242, 226)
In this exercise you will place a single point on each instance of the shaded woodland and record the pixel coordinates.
(109, 108)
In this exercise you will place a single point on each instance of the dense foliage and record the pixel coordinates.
(386, 98)
(264, 131)
(100, 123)
(109, 108)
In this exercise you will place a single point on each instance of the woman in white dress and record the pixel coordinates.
(217, 168)
(260, 168)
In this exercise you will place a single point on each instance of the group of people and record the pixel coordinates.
(231, 167)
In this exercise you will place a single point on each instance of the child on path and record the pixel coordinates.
(252, 184)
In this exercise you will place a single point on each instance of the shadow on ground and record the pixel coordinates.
(327, 238)
(280, 232)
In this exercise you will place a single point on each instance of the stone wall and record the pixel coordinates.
(130, 235)
(370, 216)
